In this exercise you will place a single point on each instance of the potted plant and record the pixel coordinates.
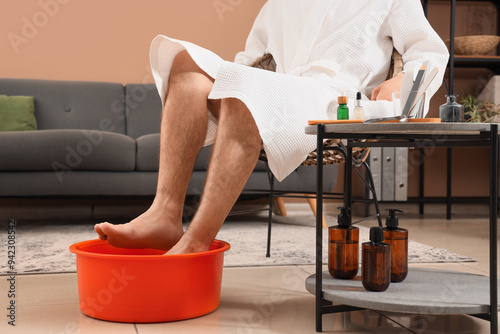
(480, 111)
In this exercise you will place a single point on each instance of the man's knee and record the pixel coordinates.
(183, 63)
(185, 71)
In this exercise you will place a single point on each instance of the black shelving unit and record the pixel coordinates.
(490, 62)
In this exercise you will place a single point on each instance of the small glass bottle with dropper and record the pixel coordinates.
(359, 111)
(343, 247)
(376, 262)
(398, 239)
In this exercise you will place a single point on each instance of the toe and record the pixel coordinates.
(99, 230)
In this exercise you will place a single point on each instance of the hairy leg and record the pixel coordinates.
(234, 156)
(183, 131)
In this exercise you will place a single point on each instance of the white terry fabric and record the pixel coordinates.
(320, 47)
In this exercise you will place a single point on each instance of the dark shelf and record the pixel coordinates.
(495, 2)
(490, 62)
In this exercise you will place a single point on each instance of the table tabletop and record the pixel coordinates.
(404, 128)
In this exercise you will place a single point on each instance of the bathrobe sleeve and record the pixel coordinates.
(416, 40)
(256, 44)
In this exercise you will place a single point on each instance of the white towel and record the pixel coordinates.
(321, 47)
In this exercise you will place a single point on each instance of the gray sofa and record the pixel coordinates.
(101, 139)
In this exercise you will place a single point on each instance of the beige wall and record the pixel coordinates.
(108, 40)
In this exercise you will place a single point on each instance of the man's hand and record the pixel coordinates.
(385, 89)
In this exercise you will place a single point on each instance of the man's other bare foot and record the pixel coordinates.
(188, 245)
(152, 229)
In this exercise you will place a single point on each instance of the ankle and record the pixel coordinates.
(167, 208)
(199, 238)
(189, 244)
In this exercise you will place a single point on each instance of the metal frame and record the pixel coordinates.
(484, 138)
(283, 193)
(278, 193)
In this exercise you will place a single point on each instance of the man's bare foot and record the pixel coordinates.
(152, 229)
(187, 245)
(182, 248)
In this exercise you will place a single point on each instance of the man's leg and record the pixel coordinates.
(235, 153)
(183, 131)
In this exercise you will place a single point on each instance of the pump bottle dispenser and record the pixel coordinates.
(343, 247)
(398, 239)
(376, 262)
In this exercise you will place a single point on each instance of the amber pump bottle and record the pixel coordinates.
(343, 247)
(376, 262)
(398, 239)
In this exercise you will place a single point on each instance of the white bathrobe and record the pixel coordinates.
(321, 47)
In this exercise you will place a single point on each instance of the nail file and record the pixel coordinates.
(423, 87)
(405, 88)
(413, 92)
(406, 85)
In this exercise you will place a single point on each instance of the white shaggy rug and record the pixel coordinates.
(42, 247)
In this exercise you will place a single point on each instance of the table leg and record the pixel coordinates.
(319, 231)
(493, 229)
(448, 182)
(348, 179)
(422, 178)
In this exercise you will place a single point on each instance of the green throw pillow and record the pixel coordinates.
(17, 113)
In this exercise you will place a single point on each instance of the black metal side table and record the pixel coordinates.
(404, 135)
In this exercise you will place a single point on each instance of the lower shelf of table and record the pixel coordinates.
(424, 291)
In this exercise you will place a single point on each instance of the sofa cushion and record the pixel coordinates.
(261, 166)
(77, 183)
(17, 113)
(203, 159)
(72, 104)
(148, 151)
(143, 109)
(148, 154)
(66, 150)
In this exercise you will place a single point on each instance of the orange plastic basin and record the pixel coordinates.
(142, 285)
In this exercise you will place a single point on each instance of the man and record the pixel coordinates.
(321, 47)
